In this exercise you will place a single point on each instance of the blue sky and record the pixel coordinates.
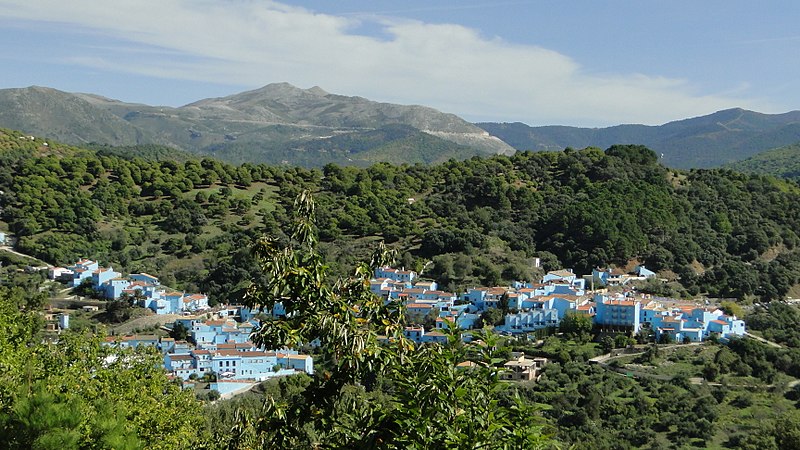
(586, 63)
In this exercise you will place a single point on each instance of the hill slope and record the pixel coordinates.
(479, 221)
(66, 117)
(278, 123)
(780, 162)
(706, 141)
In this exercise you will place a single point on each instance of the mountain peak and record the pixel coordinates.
(42, 89)
(284, 89)
(283, 93)
(284, 116)
(316, 90)
(288, 89)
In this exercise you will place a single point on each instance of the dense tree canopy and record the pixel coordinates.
(717, 231)
(77, 393)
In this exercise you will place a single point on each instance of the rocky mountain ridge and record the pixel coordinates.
(276, 123)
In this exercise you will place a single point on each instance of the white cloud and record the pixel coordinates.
(447, 66)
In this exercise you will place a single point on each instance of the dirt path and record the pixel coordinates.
(603, 359)
(11, 250)
(145, 322)
(765, 341)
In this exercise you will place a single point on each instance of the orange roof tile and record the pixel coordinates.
(419, 305)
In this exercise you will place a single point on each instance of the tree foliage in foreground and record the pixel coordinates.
(434, 402)
(79, 394)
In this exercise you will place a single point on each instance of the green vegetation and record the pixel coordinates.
(777, 322)
(480, 221)
(783, 162)
(428, 400)
(577, 326)
(699, 142)
(597, 408)
(77, 393)
(148, 152)
(278, 124)
(375, 389)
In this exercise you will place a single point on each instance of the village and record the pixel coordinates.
(218, 347)
(543, 305)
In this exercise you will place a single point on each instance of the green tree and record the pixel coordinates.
(179, 332)
(576, 325)
(79, 393)
(787, 431)
(732, 309)
(435, 404)
(608, 344)
(492, 317)
(120, 310)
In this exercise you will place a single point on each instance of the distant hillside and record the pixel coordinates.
(396, 144)
(282, 124)
(148, 152)
(278, 123)
(781, 162)
(66, 117)
(700, 142)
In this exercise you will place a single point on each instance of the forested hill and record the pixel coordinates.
(699, 142)
(781, 162)
(479, 221)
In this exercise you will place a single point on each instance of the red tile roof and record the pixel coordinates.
(419, 305)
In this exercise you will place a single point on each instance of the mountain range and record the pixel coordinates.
(278, 123)
(700, 142)
(283, 124)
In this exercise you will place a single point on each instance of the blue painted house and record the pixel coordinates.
(618, 312)
(565, 275)
(83, 270)
(145, 278)
(406, 276)
(532, 320)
